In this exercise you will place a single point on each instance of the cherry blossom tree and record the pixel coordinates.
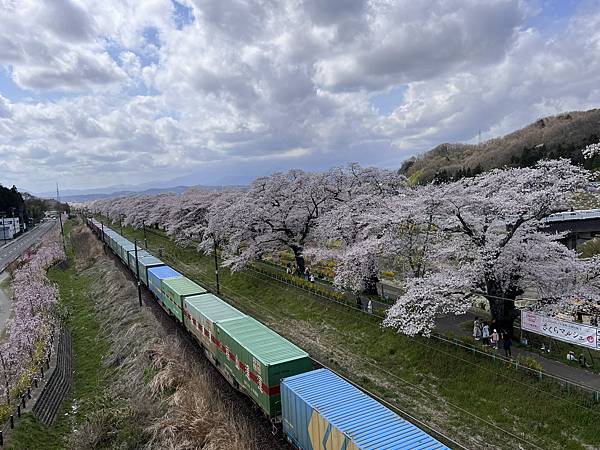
(280, 212)
(490, 240)
(591, 150)
(33, 310)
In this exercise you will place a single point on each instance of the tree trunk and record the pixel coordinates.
(299, 259)
(371, 284)
(503, 311)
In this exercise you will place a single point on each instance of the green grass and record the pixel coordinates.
(410, 372)
(89, 347)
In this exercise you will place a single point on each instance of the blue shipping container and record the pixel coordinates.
(155, 274)
(321, 411)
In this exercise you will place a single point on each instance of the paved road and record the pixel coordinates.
(16, 247)
(10, 252)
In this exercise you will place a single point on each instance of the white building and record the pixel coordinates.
(12, 222)
(6, 231)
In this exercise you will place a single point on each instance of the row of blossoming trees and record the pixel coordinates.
(33, 318)
(480, 236)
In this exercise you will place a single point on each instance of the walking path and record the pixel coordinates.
(452, 324)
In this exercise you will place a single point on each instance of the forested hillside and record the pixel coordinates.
(11, 202)
(564, 135)
(25, 206)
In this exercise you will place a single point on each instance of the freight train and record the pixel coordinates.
(316, 409)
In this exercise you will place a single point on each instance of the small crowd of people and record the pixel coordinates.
(490, 335)
(582, 360)
(295, 270)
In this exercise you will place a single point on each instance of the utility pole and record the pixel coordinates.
(62, 230)
(103, 241)
(145, 239)
(121, 224)
(216, 263)
(137, 266)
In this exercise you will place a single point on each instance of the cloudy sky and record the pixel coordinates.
(123, 92)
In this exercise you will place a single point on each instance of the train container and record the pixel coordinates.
(108, 236)
(124, 248)
(320, 410)
(145, 263)
(202, 312)
(116, 240)
(155, 277)
(254, 358)
(131, 261)
(175, 291)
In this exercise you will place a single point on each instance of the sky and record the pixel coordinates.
(164, 92)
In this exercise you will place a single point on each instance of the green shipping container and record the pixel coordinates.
(124, 249)
(257, 359)
(175, 290)
(145, 263)
(202, 312)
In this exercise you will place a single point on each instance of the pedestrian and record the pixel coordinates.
(583, 361)
(495, 339)
(507, 344)
(571, 356)
(370, 307)
(312, 278)
(477, 329)
(485, 334)
(288, 270)
(306, 273)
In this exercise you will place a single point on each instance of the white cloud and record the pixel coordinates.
(250, 86)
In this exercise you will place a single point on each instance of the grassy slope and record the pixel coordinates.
(437, 383)
(90, 376)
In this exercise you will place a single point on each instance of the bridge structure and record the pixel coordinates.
(580, 226)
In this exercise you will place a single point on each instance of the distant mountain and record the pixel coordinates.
(97, 196)
(90, 197)
(563, 135)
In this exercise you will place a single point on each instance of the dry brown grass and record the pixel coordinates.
(159, 387)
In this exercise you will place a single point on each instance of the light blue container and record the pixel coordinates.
(321, 411)
(155, 275)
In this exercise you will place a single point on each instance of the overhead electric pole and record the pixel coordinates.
(62, 230)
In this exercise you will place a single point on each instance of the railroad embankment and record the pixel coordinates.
(139, 380)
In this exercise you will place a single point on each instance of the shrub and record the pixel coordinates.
(389, 274)
(529, 362)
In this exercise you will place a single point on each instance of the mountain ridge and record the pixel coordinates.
(562, 135)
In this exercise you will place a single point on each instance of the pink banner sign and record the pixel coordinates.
(571, 332)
